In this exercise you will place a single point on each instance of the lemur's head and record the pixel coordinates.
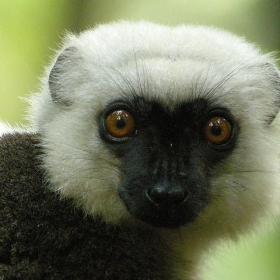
(169, 126)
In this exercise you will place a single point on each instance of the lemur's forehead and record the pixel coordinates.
(177, 63)
(120, 41)
(163, 80)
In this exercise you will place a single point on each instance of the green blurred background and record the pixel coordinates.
(30, 30)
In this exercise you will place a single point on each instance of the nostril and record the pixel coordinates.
(157, 195)
(163, 197)
(178, 197)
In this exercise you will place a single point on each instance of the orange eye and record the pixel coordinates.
(218, 131)
(120, 124)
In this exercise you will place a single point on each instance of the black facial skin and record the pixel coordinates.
(166, 162)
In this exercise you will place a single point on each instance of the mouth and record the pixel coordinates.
(166, 219)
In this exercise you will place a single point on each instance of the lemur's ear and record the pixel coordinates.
(274, 76)
(61, 76)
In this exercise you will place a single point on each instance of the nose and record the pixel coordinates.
(164, 197)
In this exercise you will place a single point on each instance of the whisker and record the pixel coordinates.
(141, 87)
(239, 185)
(256, 171)
(210, 94)
(199, 87)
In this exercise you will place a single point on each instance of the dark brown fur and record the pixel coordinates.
(44, 237)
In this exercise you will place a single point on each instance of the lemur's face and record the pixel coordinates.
(166, 157)
(171, 127)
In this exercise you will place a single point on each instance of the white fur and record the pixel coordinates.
(170, 64)
(5, 128)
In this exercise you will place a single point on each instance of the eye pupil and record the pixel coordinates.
(120, 122)
(216, 130)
